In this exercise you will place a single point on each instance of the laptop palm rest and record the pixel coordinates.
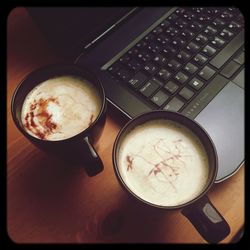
(223, 119)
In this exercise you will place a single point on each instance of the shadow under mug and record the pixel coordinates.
(78, 148)
(199, 211)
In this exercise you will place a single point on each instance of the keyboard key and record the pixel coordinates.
(150, 68)
(144, 56)
(206, 73)
(204, 19)
(210, 31)
(134, 65)
(173, 17)
(123, 74)
(174, 65)
(149, 88)
(149, 37)
(180, 11)
(186, 93)
(197, 10)
(218, 23)
(159, 98)
(226, 15)
(169, 52)
(205, 96)
(134, 51)
(180, 23)
(192, 47)
(158, 81)
(137, 80)
(125, 58)
(160, 59)
(164, 74)
(183, 56)
(154, 48)
(226, 34)
(208, 50)
(217, 42)
(178, 42)
(162, 39)
(212, 11)
(234, 11)
(186, 34)
(165, 24)
(196, 83)
(240, 58)
(200, 39)
(230, 69)
(195, 27)
(199, 59)
(141, 44)
(181, 77)
(171, 31)
(174, 105)
(190, 68)
(158, 30)
(171, 87)
(188, 15)
(228, 51)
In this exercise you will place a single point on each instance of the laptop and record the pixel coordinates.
(183, 59)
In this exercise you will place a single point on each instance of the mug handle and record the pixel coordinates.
(94, 164)
(207, 220)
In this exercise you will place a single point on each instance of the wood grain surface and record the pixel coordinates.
(49, 201)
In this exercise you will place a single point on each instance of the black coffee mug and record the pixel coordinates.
(78, 147)
(200, 211)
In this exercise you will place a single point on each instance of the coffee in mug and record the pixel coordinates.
(60, 107)
(163, 162)
(168, 161)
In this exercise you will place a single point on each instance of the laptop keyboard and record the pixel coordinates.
(182, 59)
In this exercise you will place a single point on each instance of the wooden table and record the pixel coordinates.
(48, 201)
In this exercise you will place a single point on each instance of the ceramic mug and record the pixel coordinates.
(168, 161)
(79, 145)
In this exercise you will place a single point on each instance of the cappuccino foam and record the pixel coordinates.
(163, 163)
(60, 108)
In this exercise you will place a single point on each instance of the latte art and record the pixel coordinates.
(60, 108)
(163, 163)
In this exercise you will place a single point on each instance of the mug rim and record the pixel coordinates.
(51, 68)
(151, 113)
